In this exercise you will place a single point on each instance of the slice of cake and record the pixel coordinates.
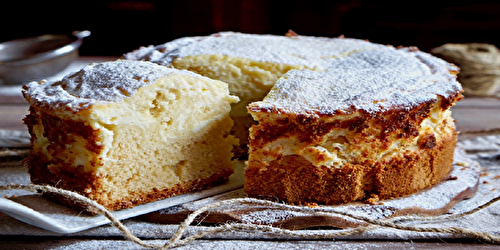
(128, 132)
(375, 125)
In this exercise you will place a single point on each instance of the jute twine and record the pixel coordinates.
(177, 240)
(479, 65)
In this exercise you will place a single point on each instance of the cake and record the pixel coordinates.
(126, 132)
(333, 120)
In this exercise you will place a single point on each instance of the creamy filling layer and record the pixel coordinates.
(335, 149)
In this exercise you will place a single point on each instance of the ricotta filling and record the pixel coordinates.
(335, 151)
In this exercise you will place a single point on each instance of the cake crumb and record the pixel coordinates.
(291, 33)
(312, 204)
(373, 200)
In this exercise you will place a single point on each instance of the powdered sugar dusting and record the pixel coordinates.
(313, 52)
(268, 216)
(354, 74)
(162, 54)
(370, 80)
(97, 82)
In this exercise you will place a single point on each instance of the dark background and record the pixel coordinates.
(121, 26)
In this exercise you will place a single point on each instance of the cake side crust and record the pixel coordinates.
(295, 180)
(45, 177)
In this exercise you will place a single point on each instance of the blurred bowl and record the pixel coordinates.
(35, 58)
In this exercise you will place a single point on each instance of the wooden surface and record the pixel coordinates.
(474, 116)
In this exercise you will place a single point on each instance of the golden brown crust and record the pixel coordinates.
(295, 180)
(136, 199)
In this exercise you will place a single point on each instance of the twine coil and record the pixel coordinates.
(479, 65)
(177, 240)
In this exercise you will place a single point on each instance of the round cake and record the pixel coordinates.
(335, 120)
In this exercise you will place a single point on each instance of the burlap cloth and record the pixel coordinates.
(485, 150)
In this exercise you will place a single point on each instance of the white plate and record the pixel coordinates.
(40, 212)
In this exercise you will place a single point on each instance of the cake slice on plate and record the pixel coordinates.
(127, 132)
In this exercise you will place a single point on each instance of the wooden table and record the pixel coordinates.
(474, 117)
